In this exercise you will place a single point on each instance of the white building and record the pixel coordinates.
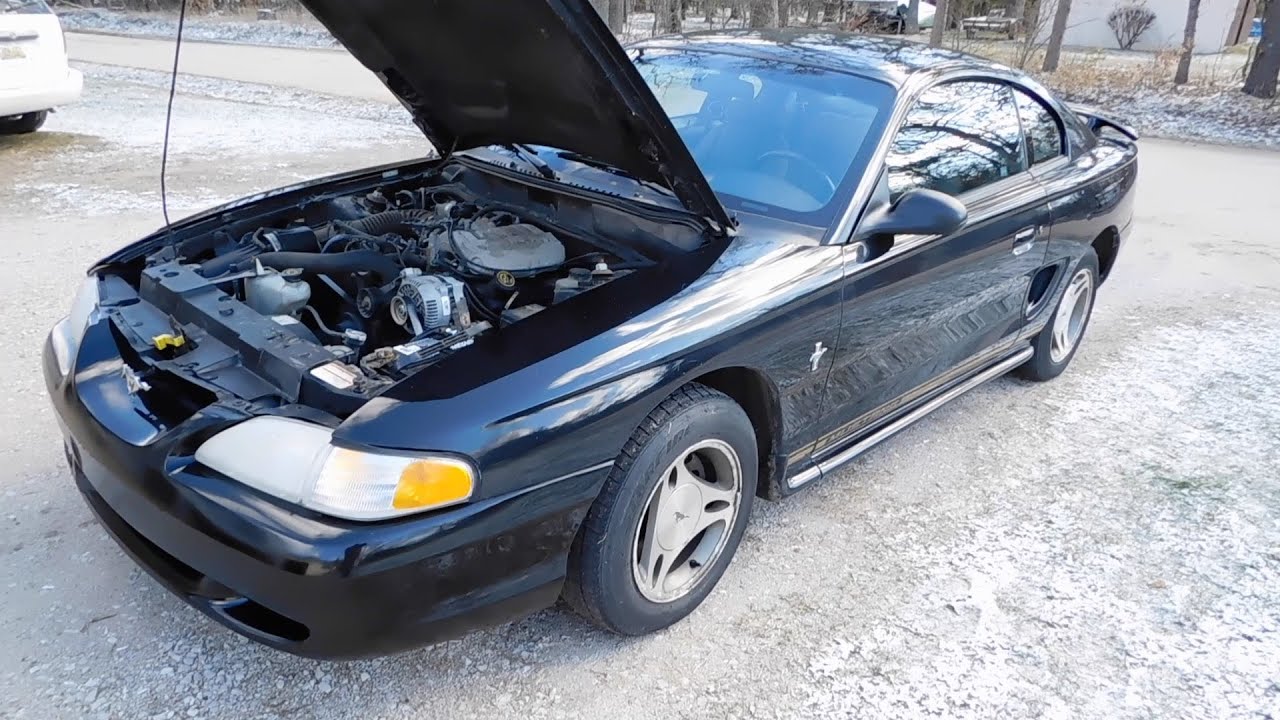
(1222, 23)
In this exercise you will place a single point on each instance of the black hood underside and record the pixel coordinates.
(546, 72)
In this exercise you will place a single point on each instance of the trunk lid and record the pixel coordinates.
(544, 72)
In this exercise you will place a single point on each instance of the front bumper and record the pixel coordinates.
(20, 101)
(303, 582)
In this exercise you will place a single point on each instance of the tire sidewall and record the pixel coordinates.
(624, 607)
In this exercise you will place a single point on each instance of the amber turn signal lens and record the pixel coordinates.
(427, 483)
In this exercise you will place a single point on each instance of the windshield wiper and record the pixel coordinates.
(530, 156)
(572, 156)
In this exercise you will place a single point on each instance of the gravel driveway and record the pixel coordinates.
(1105, 545)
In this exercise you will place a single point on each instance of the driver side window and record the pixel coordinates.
(959, 136)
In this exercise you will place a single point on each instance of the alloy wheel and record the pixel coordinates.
(687, 521)
(1073, 312)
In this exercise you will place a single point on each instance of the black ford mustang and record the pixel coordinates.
(636, 289)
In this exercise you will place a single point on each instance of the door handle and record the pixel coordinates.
(1024, 239)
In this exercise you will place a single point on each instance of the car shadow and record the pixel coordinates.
(46, 140)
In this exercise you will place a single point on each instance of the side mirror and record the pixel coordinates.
(917, 212)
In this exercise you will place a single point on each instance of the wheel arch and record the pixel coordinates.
(756, 393)
(1106, 246)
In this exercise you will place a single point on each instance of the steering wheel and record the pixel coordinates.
(804, 162)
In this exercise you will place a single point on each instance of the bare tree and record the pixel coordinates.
(1181, 75)
(1034, 33)
(1053, 50)
(784, 12)
(1264, 70)
(941, 16)
(1020, 10)
(764, 13)
(913, 17)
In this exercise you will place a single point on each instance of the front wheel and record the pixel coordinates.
(1056, 345)
(670, 516)
(19, 124)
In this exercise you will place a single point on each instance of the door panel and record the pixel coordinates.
(918, 316)
(930, 308)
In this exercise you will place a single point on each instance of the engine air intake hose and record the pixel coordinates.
(391, 221)
(333, 263)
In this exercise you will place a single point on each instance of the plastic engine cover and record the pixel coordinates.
(517, 248)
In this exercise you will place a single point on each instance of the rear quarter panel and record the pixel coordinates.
(1090, 197)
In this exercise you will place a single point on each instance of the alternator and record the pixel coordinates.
(429, 302)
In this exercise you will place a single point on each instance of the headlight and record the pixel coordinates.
(295, 461)
(68, 332)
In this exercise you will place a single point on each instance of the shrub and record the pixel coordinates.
(1128, 21)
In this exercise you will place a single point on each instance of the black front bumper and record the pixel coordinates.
(307, 583)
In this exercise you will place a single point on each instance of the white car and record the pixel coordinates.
(34, 75)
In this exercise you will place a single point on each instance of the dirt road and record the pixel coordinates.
(1106, 545)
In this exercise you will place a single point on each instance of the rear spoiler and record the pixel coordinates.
(1098, 120)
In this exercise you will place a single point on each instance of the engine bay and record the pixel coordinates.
(363, 289)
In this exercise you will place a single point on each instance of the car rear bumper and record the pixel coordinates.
(306, 583)
(19, 101)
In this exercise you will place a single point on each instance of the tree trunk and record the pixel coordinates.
(913, 17)
(764, 13)
(666, 16)
(617, 15)
(784, 12)
(709, 7)
(1020, 11)
(1183, 73)
(1053, 51)
(941, 16)
(1265, 69)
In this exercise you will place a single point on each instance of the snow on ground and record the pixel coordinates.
(221, 146)
(237, 28)
(1192, 112)
(1170, 560)
(289, 30)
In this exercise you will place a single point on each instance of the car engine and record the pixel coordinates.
(388, 284)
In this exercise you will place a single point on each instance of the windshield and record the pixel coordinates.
(772, 138)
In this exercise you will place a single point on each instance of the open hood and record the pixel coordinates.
(545, 72)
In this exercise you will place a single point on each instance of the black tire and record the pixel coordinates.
(600, 584)
(1042, 366)
(20, 124)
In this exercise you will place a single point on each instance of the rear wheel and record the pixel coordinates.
(670, 516)
(1056, 345)
(19, 124)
